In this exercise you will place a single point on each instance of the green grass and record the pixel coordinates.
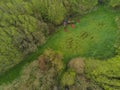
(94, 36)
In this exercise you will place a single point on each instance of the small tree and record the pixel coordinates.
(52, 59)
(68, 78)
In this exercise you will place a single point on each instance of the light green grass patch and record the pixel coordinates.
(94, 36)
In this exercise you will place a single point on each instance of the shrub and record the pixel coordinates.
(114, 3)
(51, 10)
(42, 63)
(52, 59)
(68, 78)
(77, 64)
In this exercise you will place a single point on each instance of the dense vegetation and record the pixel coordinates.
(29, 30)
(105, 73)
(20, 32)
(23, 27)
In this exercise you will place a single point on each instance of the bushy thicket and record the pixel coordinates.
(105, 73)
(55, 11)
(20, 32)
(79, 6)
(52, 59)
(32, 78)
(51, 10)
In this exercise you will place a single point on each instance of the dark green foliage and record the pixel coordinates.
(9, 55)
(54, 11)
(79, 6)
(51, 10)
(20, 32)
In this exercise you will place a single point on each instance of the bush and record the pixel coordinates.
(68, 78)
(77, 64)
(114, 3)
(51, 10)
(52, 59)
